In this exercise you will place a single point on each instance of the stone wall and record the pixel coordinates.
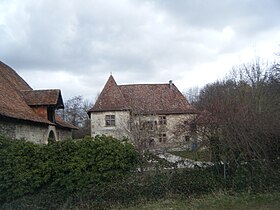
(7, 129)
(174, 136)
(124, 128)
(120, 130)
(37, 133)
(64, 134)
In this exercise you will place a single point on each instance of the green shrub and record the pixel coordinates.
(83, 164)
(63, 167)
(195, 181)
(20, 168)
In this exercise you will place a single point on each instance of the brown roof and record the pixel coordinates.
(142, 98)
(13, 92)
(43, 97)
(111, 98)
(61, 123)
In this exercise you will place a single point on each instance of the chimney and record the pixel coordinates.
(170, 83)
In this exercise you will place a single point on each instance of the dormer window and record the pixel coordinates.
(110, 120)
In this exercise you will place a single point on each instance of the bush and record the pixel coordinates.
(20, 168)
(62, 167)
(195, 181)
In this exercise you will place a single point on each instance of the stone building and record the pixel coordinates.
(150, 115)
(30, 114)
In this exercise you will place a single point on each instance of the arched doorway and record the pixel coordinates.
(51, 137)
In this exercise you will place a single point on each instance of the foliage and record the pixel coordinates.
(199, 181)
(62, 167)
(21, 168)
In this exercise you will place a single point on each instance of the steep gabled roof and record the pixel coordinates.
(16, 96)
(43, 97)
(12, 104)
(142, 99)
(13, 78)
(110, 98)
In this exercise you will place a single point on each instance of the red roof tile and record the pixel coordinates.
(110, 98)
(142, 98)
(43, 97)
(13, 92)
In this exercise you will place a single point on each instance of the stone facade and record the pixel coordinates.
(159, 131)
(119, 130)
(63, 134)
(148, 114)
(35, 133)
(7, 129)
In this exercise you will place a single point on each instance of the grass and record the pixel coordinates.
(270, 201)
(193, 155)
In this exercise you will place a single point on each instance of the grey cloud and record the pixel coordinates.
(139, 41)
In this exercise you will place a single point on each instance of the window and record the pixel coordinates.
(193, 128)
(162, 137)
(162, 120)
(51, 112)
(187, 138)
(148, 125)
(110, 120)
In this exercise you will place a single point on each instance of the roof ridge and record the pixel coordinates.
(144, 84)
(39, 90)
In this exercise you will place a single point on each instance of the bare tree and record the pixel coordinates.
(75, 112)
(245, 109)
(192, 95)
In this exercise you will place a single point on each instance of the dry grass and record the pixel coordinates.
(219, 201)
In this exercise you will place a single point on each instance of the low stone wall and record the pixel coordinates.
(37, 133)
(63, 134)
(8, 129)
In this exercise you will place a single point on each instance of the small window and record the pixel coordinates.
(162, 120)
(187, 138)
(51, 113)
(148, 125)
(110, 120)
(162, 137)
(193, 128)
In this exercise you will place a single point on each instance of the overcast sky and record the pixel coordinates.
(73, 45)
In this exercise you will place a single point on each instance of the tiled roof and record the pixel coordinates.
(61, 123)
(110, 98)
(13, 92)
(142, 99)
(43, 97)
(13, 78)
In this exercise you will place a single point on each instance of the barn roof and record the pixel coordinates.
(16, 97)
(43, 97)
(142, 99)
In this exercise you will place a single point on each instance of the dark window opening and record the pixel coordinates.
(187, 138)
(193, 128)
(148, 125)
(162, 137)
(51, 138)
(162, 120)
(110, 120)
(151, 142)
(51, 115)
